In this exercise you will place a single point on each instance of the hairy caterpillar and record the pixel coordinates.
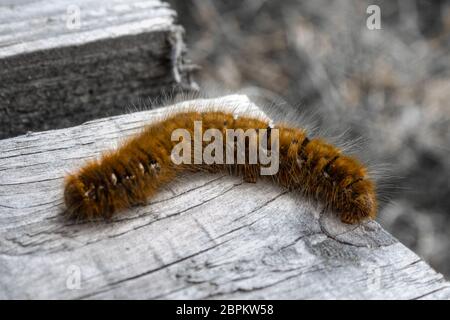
(135, 171)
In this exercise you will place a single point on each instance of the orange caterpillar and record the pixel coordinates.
(134, 172)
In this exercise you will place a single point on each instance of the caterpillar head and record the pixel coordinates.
(363, 203)
(80, 199)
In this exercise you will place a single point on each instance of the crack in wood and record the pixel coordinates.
(148, 272)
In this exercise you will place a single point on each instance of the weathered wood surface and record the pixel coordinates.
(51, 70)
(204, 236)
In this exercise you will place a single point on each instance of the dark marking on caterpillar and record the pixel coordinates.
(142, 165)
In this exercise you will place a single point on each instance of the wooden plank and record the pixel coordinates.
(51, 69)
(205, 236)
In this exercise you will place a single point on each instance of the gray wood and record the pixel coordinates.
(123, 52)
(204, 236)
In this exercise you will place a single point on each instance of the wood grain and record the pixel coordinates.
(205, 236)
(54, 75)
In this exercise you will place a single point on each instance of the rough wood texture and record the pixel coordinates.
(124, 51)
(204, 236)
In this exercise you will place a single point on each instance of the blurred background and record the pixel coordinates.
(390, 85)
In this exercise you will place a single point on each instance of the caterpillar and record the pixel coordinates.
(135, 171)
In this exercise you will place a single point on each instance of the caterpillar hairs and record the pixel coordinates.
(136, 170)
